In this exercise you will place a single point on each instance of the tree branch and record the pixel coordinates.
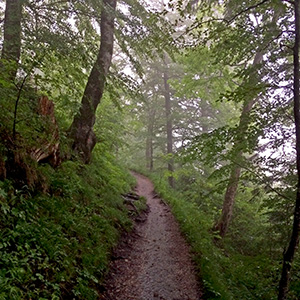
(246, 10)
(262, 180)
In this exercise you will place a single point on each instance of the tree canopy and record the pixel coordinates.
(203, 95)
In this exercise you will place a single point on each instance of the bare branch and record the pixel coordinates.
(246, 10)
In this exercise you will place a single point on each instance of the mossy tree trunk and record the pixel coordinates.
(81, 131)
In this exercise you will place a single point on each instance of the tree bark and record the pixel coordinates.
(167, 95)
(149, 141)
(229, 199)
(231, 190)
(11, 49)
(81, 131)
(230, 194)
(294, 241)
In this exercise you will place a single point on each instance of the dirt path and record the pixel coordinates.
(155, 264)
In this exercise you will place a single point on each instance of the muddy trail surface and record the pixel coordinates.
(153, 262)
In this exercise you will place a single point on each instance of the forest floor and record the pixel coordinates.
(153, 262)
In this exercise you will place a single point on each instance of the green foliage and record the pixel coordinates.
(57, 246)
(242, 268)
(196, 225)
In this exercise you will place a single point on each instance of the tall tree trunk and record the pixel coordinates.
(11, 49)
(149, 153)
(230, 194)
(229, 199)
(231, 190)
(81, 131)
(294, 241)
(149, 141)
(167, 95)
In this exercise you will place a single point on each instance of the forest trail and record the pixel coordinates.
(154, 262)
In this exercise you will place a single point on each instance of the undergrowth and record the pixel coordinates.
(225, 273)
(57, 245)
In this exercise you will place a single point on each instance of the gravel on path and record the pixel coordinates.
(154, 262)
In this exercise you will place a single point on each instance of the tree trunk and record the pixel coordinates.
(167, 95)
(294, 241)
(81, 131)
(47, 149)
(230, 194)
(229, 198)
(149, 141)
(149, 153)
(11, 49)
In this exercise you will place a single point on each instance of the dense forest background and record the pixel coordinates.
(203, 96)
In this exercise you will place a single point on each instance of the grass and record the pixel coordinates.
(225, 274)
